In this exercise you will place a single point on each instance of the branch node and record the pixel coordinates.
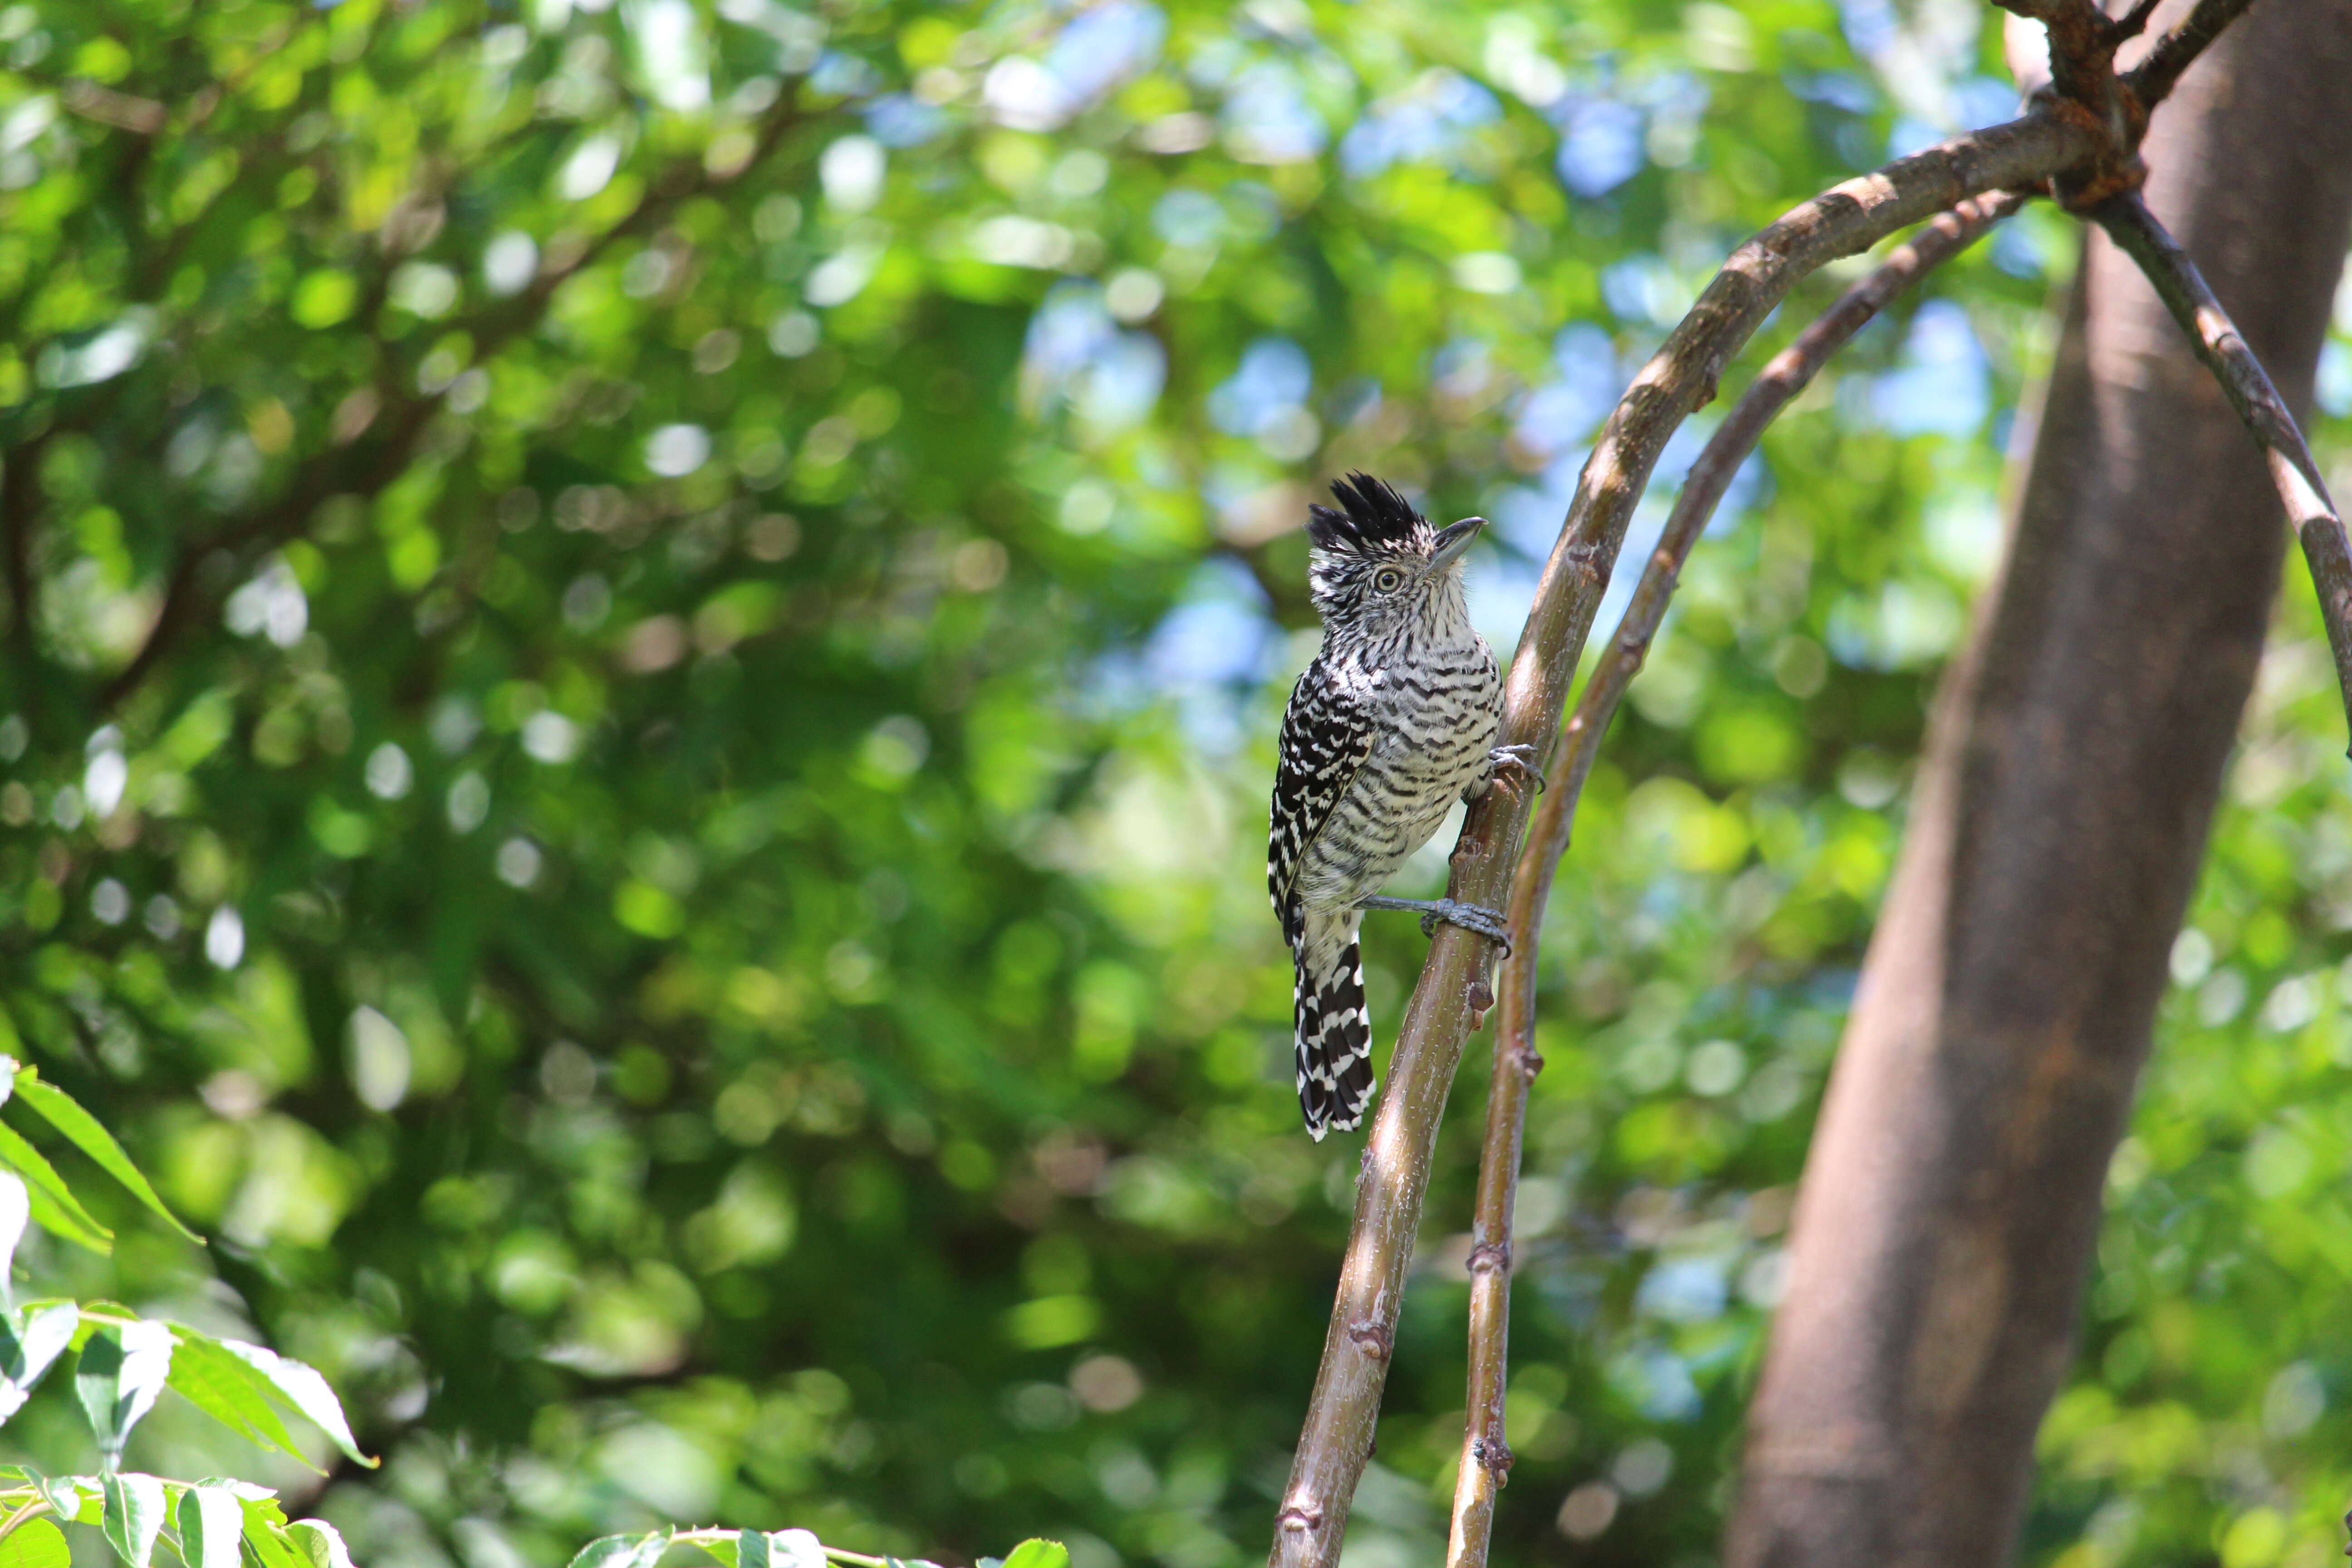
(1376, 1339)
(1490, 1257)
(1494, 1456)
(1300, 1517)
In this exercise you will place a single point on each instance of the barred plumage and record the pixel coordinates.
(1392, 721)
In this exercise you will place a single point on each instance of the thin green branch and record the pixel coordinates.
(38, 1505)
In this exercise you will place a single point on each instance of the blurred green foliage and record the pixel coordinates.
(643, 645)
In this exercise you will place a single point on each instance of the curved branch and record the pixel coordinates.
(1337, 1440)
(1485, 1456)
(2185, 294)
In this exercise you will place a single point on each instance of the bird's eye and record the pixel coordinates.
(1387, 580)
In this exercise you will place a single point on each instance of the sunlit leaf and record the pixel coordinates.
(77, 1498)
(212, 1522)
(16, 1209)
(123, 1368)
(320, 1542)
(305, 1390)
(795, 1549)
(268, 1536)
(135, 1510)
(30, 1341)
(35, 1543)
(228, 1388)
(624, 1551)
(53, 1206)
(82, 1129)
(1038, 1553)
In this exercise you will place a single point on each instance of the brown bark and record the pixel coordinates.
(1951, 1200)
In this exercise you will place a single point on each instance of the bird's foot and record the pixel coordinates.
(1521, 757)
(1475, 918)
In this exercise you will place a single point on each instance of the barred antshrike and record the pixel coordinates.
(1394, 719)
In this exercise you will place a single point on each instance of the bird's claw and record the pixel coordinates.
(1473, 918)
(1521, 757)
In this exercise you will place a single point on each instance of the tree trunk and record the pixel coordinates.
(1951, 1200)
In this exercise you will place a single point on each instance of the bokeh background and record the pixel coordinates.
(643, 645)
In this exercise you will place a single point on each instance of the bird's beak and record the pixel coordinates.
(1451, 542)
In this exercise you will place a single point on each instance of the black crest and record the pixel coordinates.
(1374, 517)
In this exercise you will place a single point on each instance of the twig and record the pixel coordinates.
(2248, 386)
(2159, 71)
(33, 1509)
(1485, 1456)
(2134, 21)
(1338, 1436)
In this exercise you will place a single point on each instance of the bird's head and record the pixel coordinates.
(1376, 564)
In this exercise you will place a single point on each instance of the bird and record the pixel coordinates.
(1395, 720)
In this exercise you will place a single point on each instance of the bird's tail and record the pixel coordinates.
(1334, 1029)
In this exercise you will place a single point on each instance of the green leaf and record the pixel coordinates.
(604, 1551)
(54, 1207)
(82, 1129)
(35, 1543)
(624, 1551)
(135, 1509)
(266, 1531)
(123, 1367)
(734, 1549)
(229, 1389)
(795, 1549)
(1036, 1553)
(305, 1390)
(321, 1542)
(212, 1521)
(30, 1342)
(16, 1208)
(75, 1498)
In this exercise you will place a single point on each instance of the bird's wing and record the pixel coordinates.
(1326, 734)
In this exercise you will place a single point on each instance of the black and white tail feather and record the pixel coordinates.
(1333, 1035)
